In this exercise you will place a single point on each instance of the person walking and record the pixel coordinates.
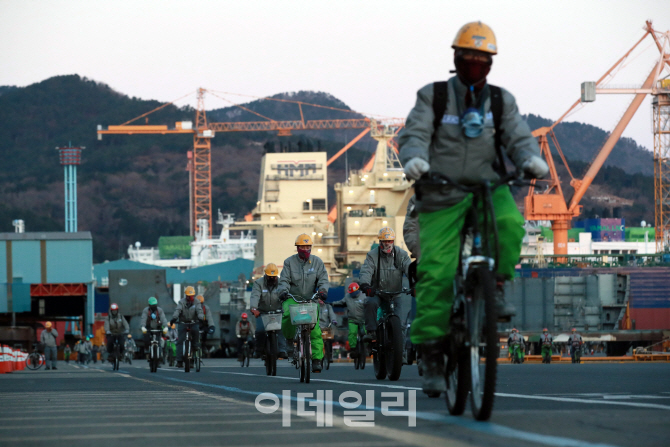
(67, 352)
(547, 342)
(48, 340)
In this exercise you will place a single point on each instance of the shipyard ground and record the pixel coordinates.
(556, 405)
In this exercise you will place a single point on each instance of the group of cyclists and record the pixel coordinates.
(463, 130)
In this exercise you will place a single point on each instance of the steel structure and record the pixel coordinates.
(550, 204)
(661, 125)
(70, 158)
(199, 162)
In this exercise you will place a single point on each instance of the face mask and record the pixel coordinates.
(153, 308)
(355, 294)
(303, 253)
(387, 247)
(271, 281)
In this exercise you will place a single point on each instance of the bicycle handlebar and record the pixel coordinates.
(437, 179)
(404, 290)
(301, 301)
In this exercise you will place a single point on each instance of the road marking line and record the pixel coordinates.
(154, 424)
(483, 427)
(342, 382)
(125, 416)
(585, 401)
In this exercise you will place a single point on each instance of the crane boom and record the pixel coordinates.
(582, 185)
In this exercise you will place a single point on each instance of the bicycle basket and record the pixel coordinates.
(272, 322)
(303, 313)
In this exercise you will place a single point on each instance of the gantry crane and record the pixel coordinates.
(199, 163)
(551, 205)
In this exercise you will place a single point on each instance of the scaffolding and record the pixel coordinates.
(661, 127)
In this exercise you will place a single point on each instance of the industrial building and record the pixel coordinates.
(46, 276)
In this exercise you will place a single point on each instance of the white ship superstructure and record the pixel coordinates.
(204, 251)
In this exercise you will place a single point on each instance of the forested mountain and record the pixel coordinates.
(135, 188)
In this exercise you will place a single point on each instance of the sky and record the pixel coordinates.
(373, 55)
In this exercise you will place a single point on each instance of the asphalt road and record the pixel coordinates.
(555, 405)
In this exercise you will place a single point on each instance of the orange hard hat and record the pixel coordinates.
(200, 298)
(545, 330)
(476, 36)
(574, 330)
(48, 325)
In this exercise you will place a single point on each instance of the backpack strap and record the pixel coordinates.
(497, 110)
(440, 98)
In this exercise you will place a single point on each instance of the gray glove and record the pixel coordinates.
(534, 167)
(416, 167)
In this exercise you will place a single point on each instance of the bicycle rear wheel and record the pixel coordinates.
(482, 324)
(35, 361)
(457, 375)
(326, 355)
(271, 354)
(394, 349)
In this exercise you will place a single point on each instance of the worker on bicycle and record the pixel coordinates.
(245, 331)
(301, 276)
(327, 319)
(130, 347)
(458, 128)
(153, 318)
(516, 345)
(382, 270)
(355, 304)
(264, 298)
(575, 342)
(188, 309)
(207, 326)
(116, 329)
(547, 343)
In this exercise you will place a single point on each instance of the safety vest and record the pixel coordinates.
(546, 339)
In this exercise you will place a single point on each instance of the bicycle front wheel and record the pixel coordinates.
(394, 346)
(35, 361)
(307, 354)
(362, 353)
(482, 324)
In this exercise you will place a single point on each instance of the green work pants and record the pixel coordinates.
(439, 237)
(353, 335)
(288, 330)
(546, 351)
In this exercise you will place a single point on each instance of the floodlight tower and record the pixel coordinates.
(70, 157)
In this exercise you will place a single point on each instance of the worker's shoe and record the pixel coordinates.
(432, 367)
(316, 366)
(504, 309)
(148, 358)
(54, 368)
(353, 354)
(180, 364)
(48, 367)
(369, 338)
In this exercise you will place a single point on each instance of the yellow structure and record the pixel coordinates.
(371, 200)
(292, 199)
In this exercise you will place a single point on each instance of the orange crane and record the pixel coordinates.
(550, 204)
(199, 164)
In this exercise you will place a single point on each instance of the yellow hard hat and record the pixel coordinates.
(271, 270)
(303, 239)
(200, 298)
(190, 291)
(172, 326)
(386, 234)
(476, 36)
(48, 325)
(130, 336)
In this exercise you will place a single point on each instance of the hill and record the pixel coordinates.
(135, 188)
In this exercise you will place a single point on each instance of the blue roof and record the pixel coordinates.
(224, 271)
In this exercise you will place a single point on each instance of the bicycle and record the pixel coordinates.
(515, 353)
(171, 347)
(361, 351)
(116, 353)
(154, 349)
(127, 356)
(245, 353)
(304, 315)
(272, 324)
(387, 351)
(327, 335)
(188, 343)
(474, 320)
(35, 360)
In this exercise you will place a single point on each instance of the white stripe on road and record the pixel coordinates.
(126, 416)
(586, 401)
(482, 427)
(255, 420)
(519, 396)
